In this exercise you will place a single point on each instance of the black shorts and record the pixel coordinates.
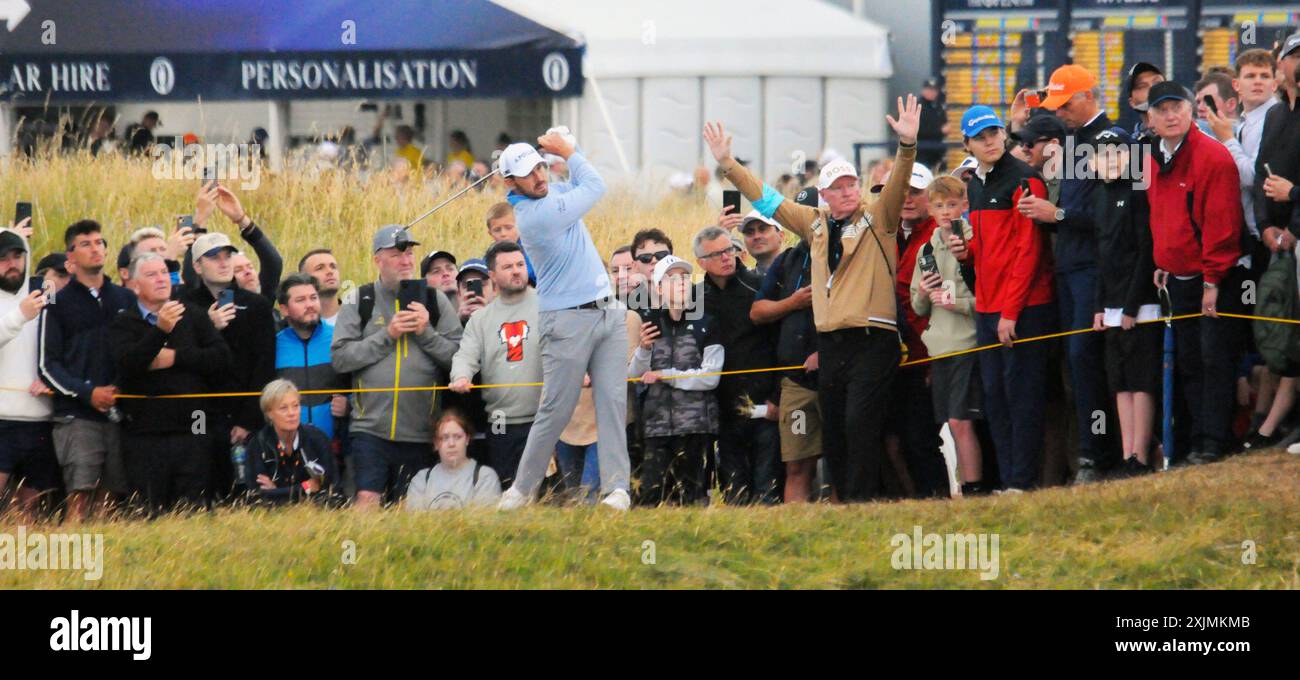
(387, 466)
(27, 454)
(1133, 358)
(956, 389)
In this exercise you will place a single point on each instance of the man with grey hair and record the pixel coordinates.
(1075, 97)
(162, 346)
(749, 443)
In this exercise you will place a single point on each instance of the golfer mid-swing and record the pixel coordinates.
(579, 336)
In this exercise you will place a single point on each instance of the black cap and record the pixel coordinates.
(1292, 44)
(807, 196)
(10, 241)
(1040, 127)
(427, 262)
(1138, 69)
(931, 82)
(1167, 90)
(124, 255)
(55, 261)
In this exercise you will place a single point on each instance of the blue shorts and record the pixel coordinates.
(27, 454)
(386, 467)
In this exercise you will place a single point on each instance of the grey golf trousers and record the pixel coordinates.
(578, 342)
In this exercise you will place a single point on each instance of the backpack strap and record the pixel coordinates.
(365, 303)
(476, 467)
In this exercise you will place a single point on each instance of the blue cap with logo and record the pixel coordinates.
(977, 118)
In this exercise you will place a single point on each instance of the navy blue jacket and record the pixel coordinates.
(74, 355)
(1076, 235)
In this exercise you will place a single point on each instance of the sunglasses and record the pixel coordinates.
(647, 258)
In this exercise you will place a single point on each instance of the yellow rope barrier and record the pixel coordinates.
(774, 369)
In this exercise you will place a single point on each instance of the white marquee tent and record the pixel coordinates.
(788, 77)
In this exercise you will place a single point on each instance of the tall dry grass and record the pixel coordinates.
(305, 209)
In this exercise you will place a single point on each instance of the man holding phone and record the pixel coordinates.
(26, 447)
(474, 287)
(245, 322)
(385, 344)
(1277, 167)
(582, 330)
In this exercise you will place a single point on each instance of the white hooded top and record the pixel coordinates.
(18, 346)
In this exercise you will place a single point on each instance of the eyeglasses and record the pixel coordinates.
(733, 250)
(647, 258)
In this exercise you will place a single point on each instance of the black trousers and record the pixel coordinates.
(505, 449)
(1206, 353)
(166, 469)
(912, 421)
(675, 469)
(857, 367)
(749, 460)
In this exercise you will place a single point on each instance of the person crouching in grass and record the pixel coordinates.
(288, 460)
(455, 481)
(939, 292)
(1126, 295)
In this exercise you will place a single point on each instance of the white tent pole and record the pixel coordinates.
(609, 124)
(277, 130)
(8, 121)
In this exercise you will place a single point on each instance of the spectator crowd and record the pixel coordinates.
(817, 345)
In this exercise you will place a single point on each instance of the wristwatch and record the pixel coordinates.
(1060, 214)
(1209, 286)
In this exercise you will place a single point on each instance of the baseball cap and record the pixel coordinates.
(1066, 82)
(807, 196)
(1041, 127)
(977, 118)
(1136, 70)
(756, 216)
(670, 262)
(921, 178)
(833, 171)
(11, 241)
(1113, 136)
(1292, 44)
(1167, 90)
(519, 159)
(428, 260)
(391, 236)
(207, 245)
(55, 261)
(967, 165)
(931, 82)
(474, 265)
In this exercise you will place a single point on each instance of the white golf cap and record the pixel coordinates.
(756, 216)
(833, 171)
(209, 243)
(921, 178)
(670, 262)
(519, 159)
(969, 164)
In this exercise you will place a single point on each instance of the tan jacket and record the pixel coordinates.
(863, 293)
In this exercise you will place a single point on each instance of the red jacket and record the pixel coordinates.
(908, 249)
(1195, 201)
(1012, 257)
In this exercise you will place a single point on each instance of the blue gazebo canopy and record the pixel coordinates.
(180, 50)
